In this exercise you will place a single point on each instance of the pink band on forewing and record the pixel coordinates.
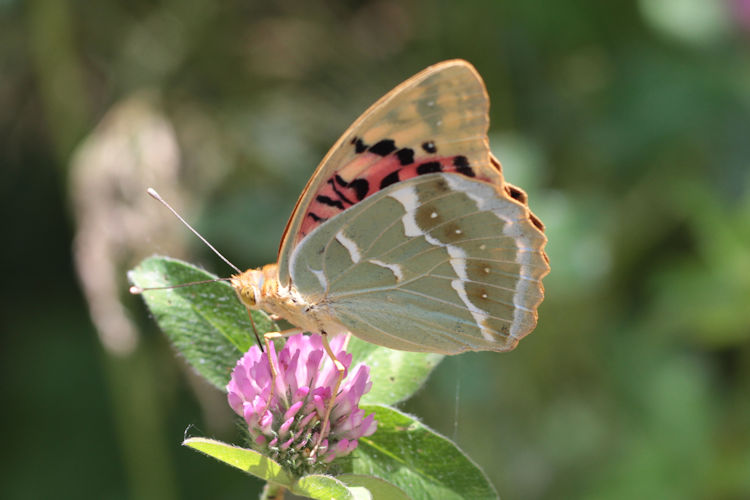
(365, 176)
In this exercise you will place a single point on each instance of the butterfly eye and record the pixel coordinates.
(248, 287)
(247, 295)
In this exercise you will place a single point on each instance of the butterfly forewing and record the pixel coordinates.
(434, 122)
(436, 263)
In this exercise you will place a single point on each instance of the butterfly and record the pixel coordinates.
(407, 234)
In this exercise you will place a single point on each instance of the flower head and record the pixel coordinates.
(284, 417)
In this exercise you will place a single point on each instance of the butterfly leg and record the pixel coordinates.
(255, 330)
(268, 338)
(326, 424)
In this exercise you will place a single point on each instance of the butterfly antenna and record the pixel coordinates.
(137, 290)
(152, 192)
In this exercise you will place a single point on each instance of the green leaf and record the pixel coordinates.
(396, 375)
(210, 327)
(322, 487)
(375, 486)
(206, 322)
(246, 460)
(418, 460)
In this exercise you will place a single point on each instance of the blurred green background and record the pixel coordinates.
(627, 123)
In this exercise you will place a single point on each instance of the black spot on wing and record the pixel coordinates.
(460, 161)
(316, 217)
(383, 148)
(405, 156)
(389, 179)
(462, 166)
(495, 164)
(359, 146)
(329, 201)
(516, 193)
(429, 147)
(360, 187)
(341, 195)
(535, 220)
(429, 168)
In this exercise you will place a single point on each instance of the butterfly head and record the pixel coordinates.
(254, 285)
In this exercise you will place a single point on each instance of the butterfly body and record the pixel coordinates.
(407, 234)
(260, 289)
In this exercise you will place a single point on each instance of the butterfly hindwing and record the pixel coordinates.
(437, 263)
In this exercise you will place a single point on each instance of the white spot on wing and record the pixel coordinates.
(478, 314)
(394, 268)
(321, 277)
(350, 245)
(458, 259)
(409, 199)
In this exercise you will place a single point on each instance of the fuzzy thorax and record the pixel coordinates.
(260, 289)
